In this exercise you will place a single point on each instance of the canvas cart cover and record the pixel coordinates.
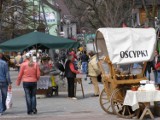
(126, 45)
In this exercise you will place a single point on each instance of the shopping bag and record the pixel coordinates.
(9, 99)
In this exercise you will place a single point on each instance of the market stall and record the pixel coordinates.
(122, 53)
(38, 39)
(44, 86)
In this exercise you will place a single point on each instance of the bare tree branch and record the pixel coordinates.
(101, 13)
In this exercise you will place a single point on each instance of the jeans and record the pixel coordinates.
(155, 76)
(84, 67)
(3, 96)
(30, 89)
(148, 75)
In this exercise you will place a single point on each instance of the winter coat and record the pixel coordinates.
(70, 71)
(27, 73)
(93, 69)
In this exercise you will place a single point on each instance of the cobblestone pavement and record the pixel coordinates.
(58, 107)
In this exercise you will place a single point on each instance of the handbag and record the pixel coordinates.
(99, 78)
(9, 102)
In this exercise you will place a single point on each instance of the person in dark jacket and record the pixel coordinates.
(84, 60)
(70, 74)
(148, 69)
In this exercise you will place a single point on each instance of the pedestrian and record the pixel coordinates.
(6, 58)
(84, 60)
(78, 54)
(5, 83)
(18, 60)
(44, 66)
(29, 74)
(70, 74)
(73, 53)
(148, 69)
(154, 64)
(93, 72)
(157, 67)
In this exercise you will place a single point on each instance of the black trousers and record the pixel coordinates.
(70, 87)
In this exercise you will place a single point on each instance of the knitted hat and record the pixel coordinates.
(28, 55)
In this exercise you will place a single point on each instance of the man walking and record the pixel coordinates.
(5, 82)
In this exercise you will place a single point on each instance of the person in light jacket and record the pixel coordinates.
(29, 74)
(93, 72)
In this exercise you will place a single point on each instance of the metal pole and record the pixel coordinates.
(44, 16)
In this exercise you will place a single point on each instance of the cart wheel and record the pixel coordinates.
(105, 103)
(117, 99)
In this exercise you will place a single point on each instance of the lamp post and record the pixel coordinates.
(14, 13)
(84, 41)
(68, 22)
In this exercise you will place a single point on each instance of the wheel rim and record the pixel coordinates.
(121, 110)
(105, 102)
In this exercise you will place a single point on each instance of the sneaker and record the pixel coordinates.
(74, 98)
(1, 114)
(29, 113)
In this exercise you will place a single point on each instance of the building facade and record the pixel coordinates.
(46, 14)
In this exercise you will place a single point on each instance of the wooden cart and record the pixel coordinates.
(110, 44)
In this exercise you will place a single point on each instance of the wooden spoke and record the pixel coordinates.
(104, 98)
(105, 103)
(124, 111)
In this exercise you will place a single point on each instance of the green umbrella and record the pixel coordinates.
(41, 40)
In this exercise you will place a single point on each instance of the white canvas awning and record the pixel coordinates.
(126, 45)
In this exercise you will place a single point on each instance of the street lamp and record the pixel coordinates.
(84, 41)
(68, 22)
(14, 13)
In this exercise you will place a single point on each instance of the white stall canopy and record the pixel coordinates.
(126, 45)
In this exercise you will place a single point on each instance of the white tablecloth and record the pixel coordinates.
(81, 76)
(44, 82)
(132, 98)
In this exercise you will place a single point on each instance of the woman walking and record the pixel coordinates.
(29, 74)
